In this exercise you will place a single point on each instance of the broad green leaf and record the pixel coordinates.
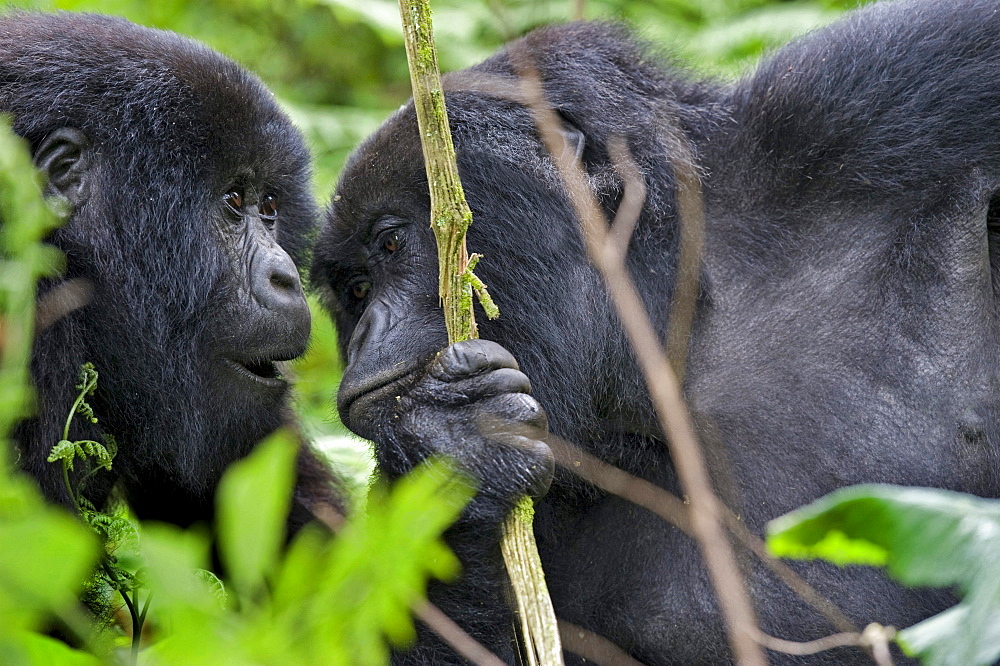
(924, 537)
(30, 649)
(173, 559)
(347, 595)
(45, 559)
(184, 603)
(253, 501)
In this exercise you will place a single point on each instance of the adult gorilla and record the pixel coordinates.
(188, 190)
(846, 330)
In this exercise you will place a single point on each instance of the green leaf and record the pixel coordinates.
(173, 557)
(63, 450)
(349, 594)
(44, 561)
(30, 649)
(253, 501)
(924, 537)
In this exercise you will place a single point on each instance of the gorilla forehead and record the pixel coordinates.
(161, 88)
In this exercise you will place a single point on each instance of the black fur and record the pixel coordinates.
(142, 133)
(846, 329)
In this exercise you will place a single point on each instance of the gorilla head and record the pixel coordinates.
(846, 329)
(188, 192)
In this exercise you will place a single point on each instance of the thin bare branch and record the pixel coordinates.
(69, 296)
(672, 509)
(592, 647)
(633, 197)
(329, 516)
(804, 590)
(876, 638)
(851, 639)
(452, 634)
(691, 229)
(618, 482)
(660, 378)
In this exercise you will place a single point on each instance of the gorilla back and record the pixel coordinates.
(188, 196)
(847, 325)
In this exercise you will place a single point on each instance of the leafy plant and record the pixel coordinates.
(924, 537)
(323, 600)
(116, 531)
(46, 554)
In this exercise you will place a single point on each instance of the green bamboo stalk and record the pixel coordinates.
(450, 219)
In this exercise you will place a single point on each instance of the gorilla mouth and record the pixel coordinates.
(355, 395)
(261, 371)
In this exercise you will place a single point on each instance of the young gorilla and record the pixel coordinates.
(188, 192)
(846, 329)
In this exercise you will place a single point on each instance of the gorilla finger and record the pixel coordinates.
(493, 383)
(511, 412)
(470, 357)
(471, 389)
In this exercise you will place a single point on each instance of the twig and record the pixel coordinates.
(661, 380)
(875, 639)
(71, 295)
(593, 647)
(450, 218)
(852, 639)
(611, 479)
(671, 508)
(452, 634)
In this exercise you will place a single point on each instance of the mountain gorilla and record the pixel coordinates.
(846, 331)
(189, 201)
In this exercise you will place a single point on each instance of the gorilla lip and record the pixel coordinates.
(354, 394)
(262, 372)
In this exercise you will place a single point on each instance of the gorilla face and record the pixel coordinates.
(376, 262)
(189, 197)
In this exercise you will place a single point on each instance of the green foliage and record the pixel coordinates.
(340, 69)
(924, 537)
(46, 555)
(250, 541)
(323, 601)
(24, 221)
(45, 558)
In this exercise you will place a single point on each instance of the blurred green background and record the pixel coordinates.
(339, 68)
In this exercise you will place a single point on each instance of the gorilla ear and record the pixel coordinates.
(64, 158)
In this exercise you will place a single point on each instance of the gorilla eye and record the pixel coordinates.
(234, 201)
(391, 243)
(361, 289)
(269, 207)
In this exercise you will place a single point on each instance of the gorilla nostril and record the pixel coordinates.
(283, 280)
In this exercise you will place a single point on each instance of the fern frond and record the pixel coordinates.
(214, 584)
(64, 451)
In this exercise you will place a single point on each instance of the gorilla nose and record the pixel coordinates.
(277, 287)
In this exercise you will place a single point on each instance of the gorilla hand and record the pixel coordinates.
(472, 403)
